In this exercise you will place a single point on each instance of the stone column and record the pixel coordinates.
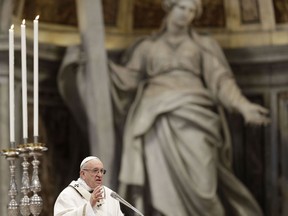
(96, 93)
(4, 138)
(6, 7)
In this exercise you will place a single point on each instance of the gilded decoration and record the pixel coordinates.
(149, 14)
(62, 12)
(126, 20)
(146, 14)
(110, 11)
(213, 14)
(249, 11)
(281, 11)
(54, 12)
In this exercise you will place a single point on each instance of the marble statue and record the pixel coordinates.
(173, 134)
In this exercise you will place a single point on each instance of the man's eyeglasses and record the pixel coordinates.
(96, 171)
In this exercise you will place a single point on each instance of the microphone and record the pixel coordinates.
(123, 201)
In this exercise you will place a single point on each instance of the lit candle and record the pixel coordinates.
(35, 77)
(24, 81)
(11, 87)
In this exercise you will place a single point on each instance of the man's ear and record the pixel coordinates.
(81, 173)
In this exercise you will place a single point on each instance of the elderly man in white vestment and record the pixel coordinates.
(87, 196)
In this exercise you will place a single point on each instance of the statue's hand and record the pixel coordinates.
(255, 114)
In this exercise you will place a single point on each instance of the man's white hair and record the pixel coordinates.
(85, 160)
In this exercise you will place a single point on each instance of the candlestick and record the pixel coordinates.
(24, 81)
(35, 77)
(11, 86)
(25, 188)
(13, 207)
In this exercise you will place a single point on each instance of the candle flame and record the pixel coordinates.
(23, 22)
(12, 27)
(37, 17)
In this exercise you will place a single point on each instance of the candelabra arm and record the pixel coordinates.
(36, 203)
(11, 155)
(25, 188)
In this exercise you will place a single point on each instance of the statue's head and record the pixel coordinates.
(168, 4)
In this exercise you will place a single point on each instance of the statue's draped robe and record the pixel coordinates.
(175, 131)
(175, 127)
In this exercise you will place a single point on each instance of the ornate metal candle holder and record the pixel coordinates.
(11, 155)
(25, 188)
(28, 205)
(36, 203)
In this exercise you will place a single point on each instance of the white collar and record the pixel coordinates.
(83, 184)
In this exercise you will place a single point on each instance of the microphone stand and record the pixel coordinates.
(123, 201)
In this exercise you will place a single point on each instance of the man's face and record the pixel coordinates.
(92, 173)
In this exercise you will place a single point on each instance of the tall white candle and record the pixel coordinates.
(24, 80)
(35, 77)
(11, 86)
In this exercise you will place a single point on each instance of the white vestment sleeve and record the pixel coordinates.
(70, 203)
(74, 201)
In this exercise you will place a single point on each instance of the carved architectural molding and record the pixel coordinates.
(281, 11)
(249, 11)
(234, 23)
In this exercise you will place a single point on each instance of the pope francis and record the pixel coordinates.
(87, 196)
